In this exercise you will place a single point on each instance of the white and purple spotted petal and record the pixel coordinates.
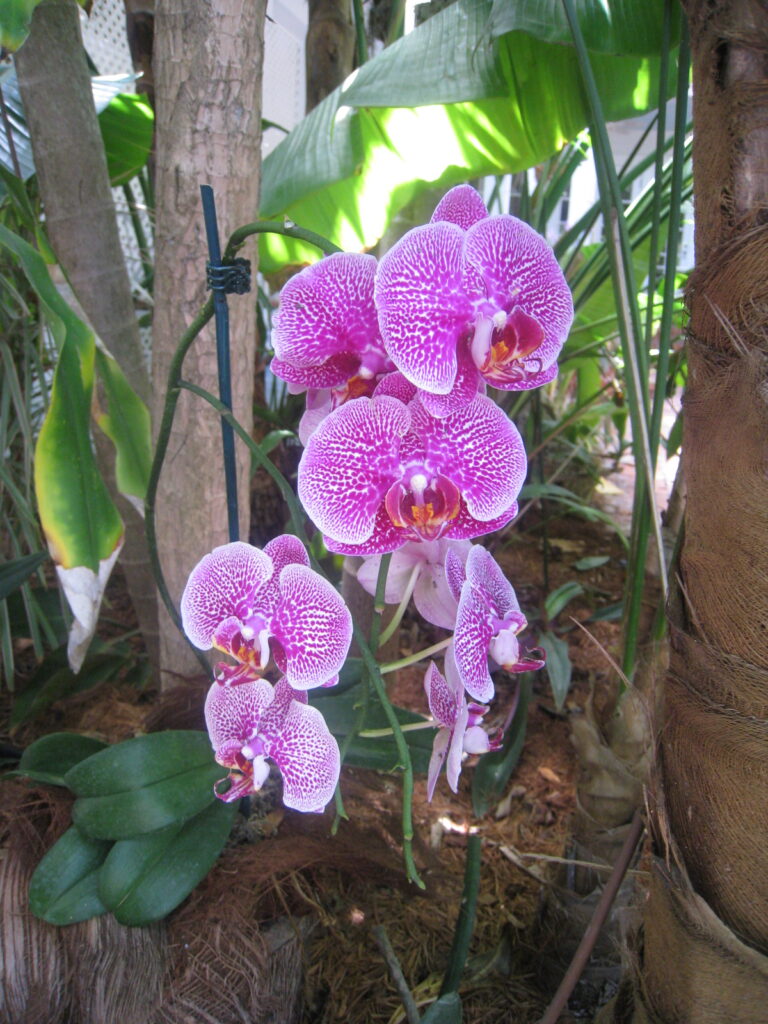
(349, 464)
(471, 639)
(425, 304)
(298, 740)
(326, 310)
(463, 205)
(224, 583)
(331, 373)
(484, 573)
(520, 270)
(312, 626)
(480, 450)
(233, 714)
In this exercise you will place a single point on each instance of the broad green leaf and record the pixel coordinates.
(558, 666)
(144, 879)
(14, 26)
(127, 127)
(493, 770)
(50, 758)
(143, 761)
(136, 812)
(380, 139)
(446, 1010)
(18, 571)
(64, 887)
(559, 598)
(126, 424)
(608, 26)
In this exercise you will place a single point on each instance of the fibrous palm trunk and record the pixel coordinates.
(705, 935)
(208, 66)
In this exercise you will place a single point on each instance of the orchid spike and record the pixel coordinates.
(254, 723)
(470, 298)
(254, 604)
(487, 623)
(425, 560)
(459, 731)
(326, 335)
(378, 472)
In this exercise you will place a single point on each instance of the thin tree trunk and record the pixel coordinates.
(81, 224)
(330, 48)
(208, 66)
(706, 924)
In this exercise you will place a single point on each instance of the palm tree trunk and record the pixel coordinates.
(706, 927)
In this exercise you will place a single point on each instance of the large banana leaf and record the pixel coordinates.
(446, 103)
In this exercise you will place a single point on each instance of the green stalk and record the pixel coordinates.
(635, 358)
(397, 618)
(413, 659)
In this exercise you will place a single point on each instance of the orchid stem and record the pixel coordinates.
(389, 632)
(374, 734)
(412, 659)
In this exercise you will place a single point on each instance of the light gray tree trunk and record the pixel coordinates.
(208, 67)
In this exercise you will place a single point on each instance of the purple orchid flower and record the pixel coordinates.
(420, 565)
(487, 623)
(256, 722)
(460, 731)
(326, 335)
(254, 604)
(378, 472)
(470, 298)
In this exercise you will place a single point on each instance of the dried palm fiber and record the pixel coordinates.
(33, 967)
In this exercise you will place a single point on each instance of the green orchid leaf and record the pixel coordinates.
(139, 762)
(442, 105)
(145, 878)
(494, 770)
(559, 668)
(18, 571)
(126, 423)
(608, 26)
(136, 812)
(64, 887)
(50, 758)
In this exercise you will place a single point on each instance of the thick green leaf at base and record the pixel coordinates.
(142, 761)
(64, 887)
(50, 758)
(139, 811)
(144, 879)
(447, 1010)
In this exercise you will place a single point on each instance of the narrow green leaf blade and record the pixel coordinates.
(144, 879)
(17, 571)
(562, 596)
(559, 668)
(64, 887)
(446, 1010)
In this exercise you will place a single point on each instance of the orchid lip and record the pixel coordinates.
(423, 504)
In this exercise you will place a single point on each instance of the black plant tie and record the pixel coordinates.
(231, 278)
